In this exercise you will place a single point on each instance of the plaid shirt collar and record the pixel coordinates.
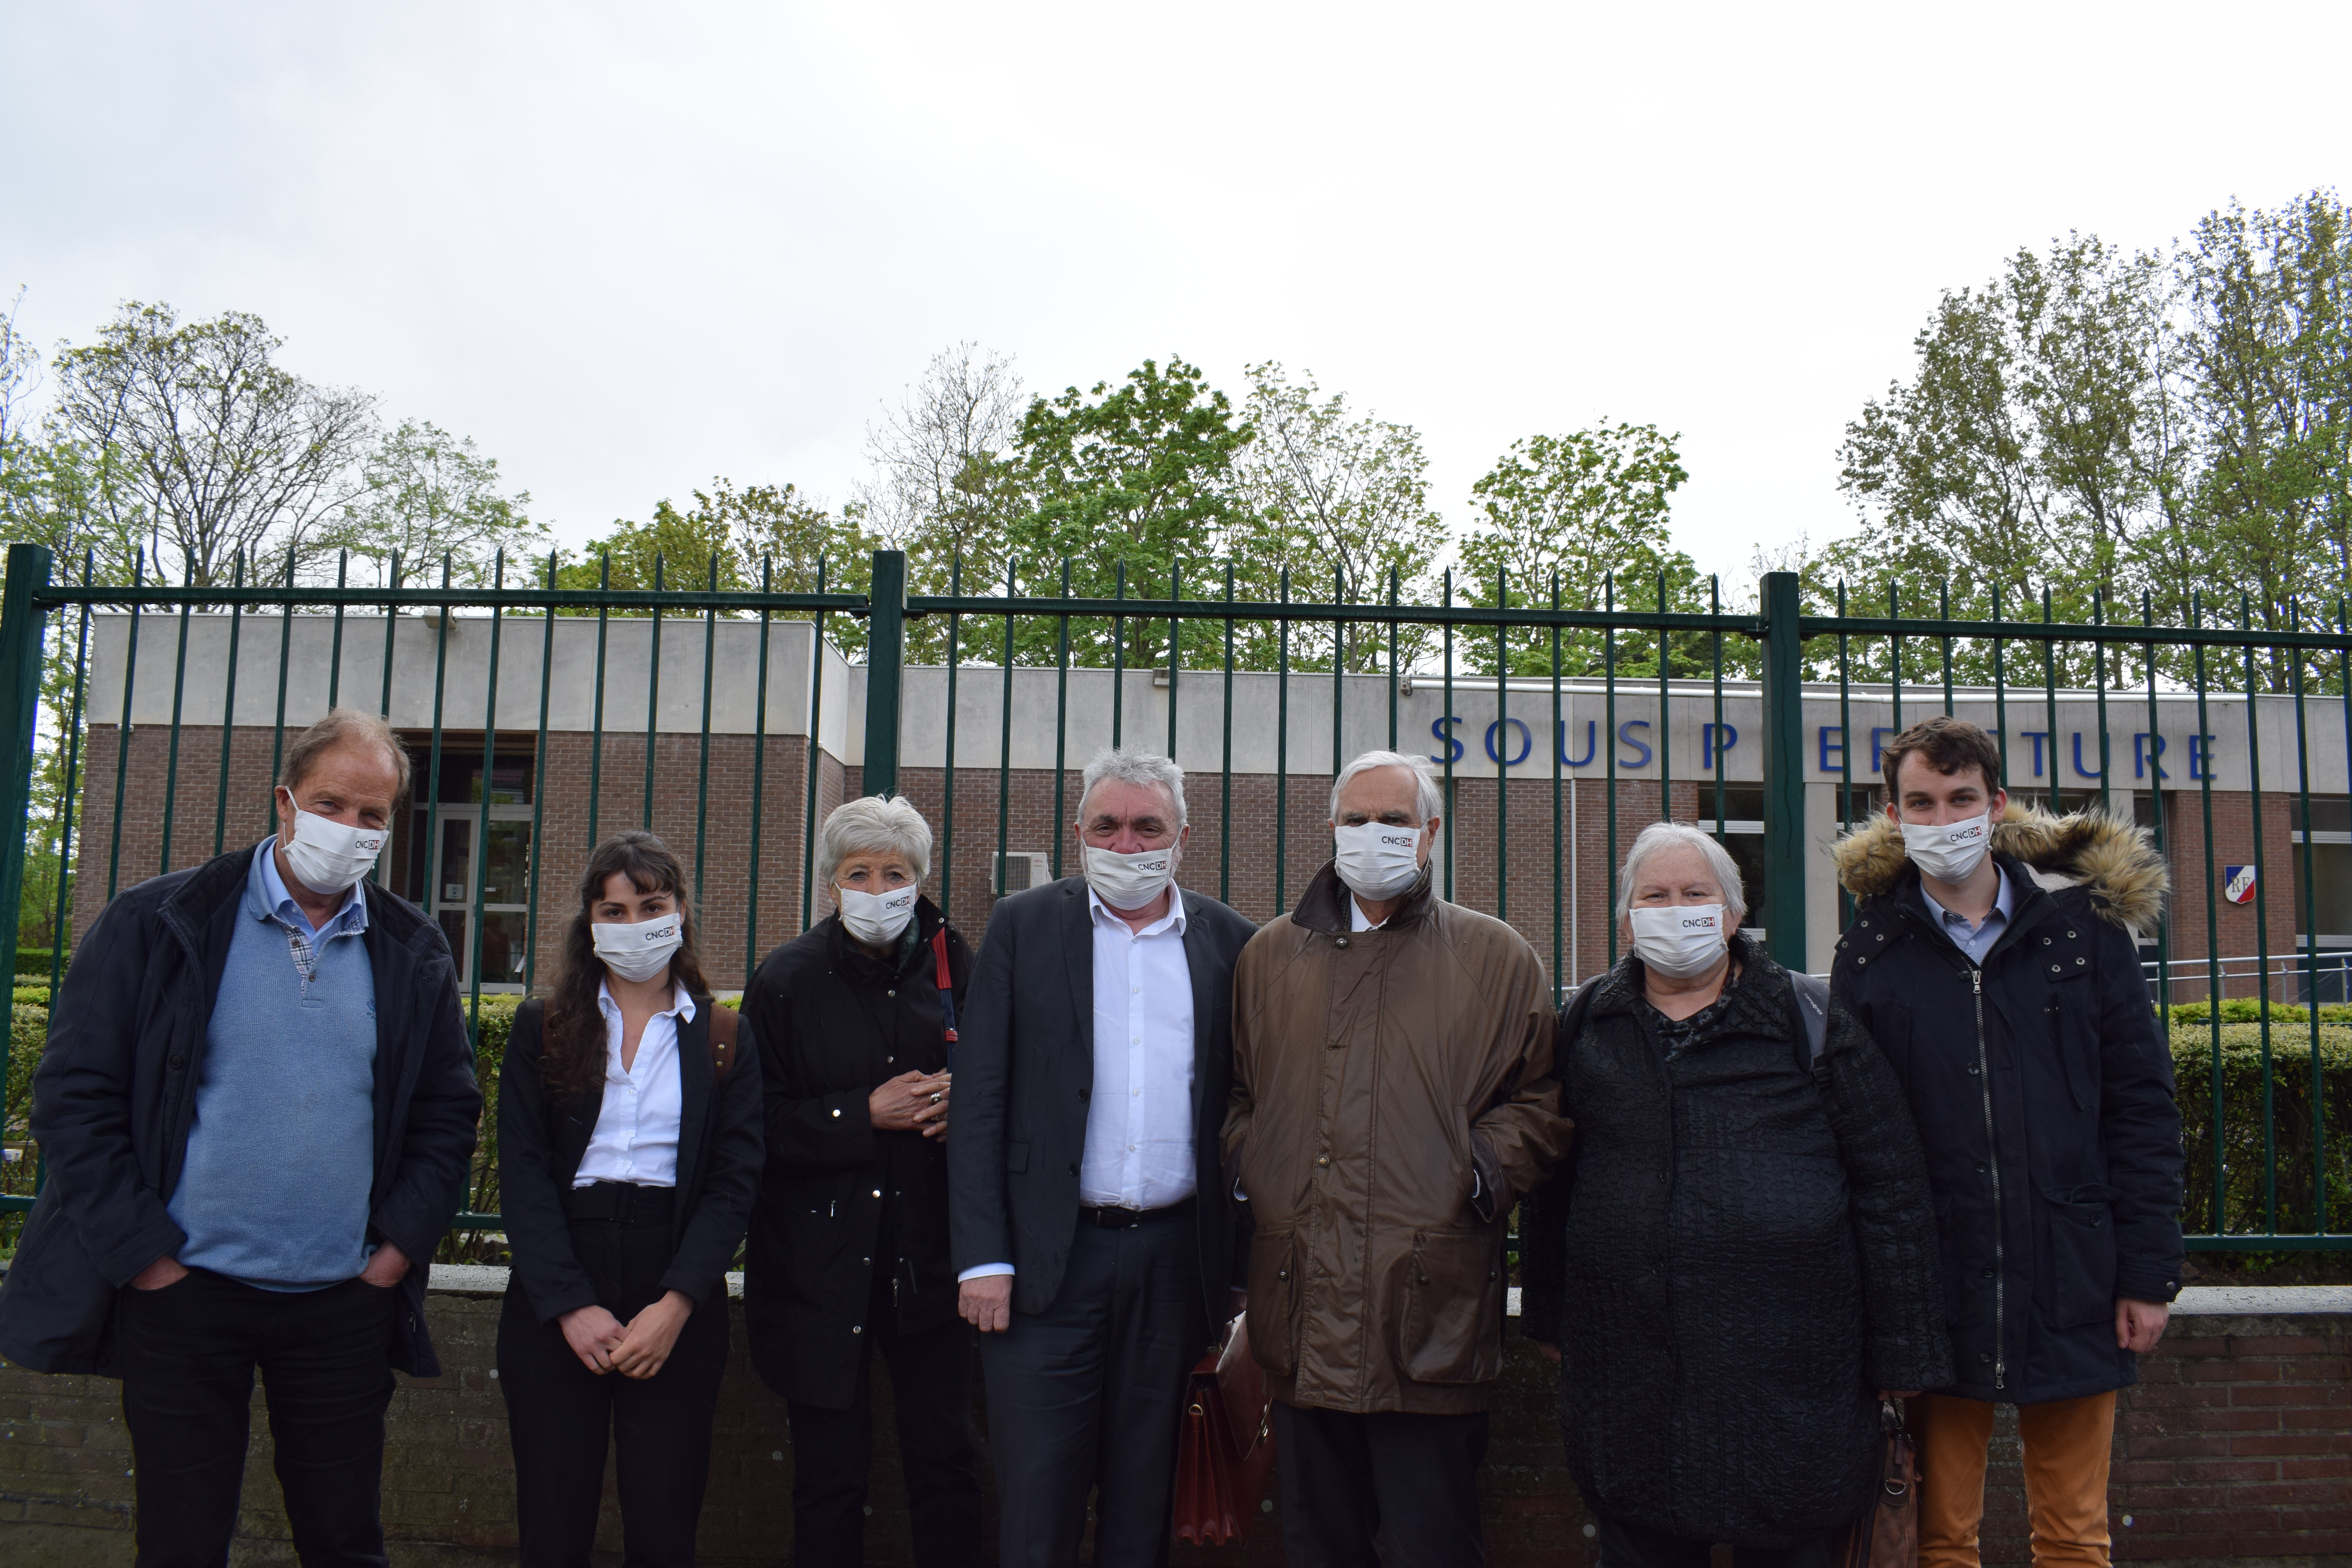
(266, 899)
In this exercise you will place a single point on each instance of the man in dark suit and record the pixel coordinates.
(1091, 1236)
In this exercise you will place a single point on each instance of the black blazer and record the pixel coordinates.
(543, 1139)
(1025, 1070)
(834, 1024)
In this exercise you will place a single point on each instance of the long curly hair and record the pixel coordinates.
(571, 1037)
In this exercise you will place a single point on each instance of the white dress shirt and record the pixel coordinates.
(1139, 1150)
(1140, 1153)
(635, 1139)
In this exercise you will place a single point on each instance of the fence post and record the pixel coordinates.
(1784, 770)
(20, 693)
(885, 656)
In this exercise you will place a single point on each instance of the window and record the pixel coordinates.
(2329, 842)
(1743, 837)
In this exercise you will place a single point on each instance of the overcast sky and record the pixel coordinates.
(630, 248)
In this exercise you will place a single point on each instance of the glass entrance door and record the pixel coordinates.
(501, 862)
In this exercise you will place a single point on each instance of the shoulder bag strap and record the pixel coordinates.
(1811, 995)
(947, 992)
(723, 1023)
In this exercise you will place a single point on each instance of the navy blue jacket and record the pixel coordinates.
(116, 1092)
(2042, 1086)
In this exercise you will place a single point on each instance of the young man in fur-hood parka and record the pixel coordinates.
(1991, 956)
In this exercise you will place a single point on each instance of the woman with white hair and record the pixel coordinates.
(1738, 1263)
(856, 1020)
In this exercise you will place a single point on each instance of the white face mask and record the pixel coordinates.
(1948, 852)
(1679, 940)
(327, 856)
(1129, 881)
(1376, 861)
(642, 950)
(874, 919)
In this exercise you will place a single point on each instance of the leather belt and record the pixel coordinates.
(622, 1203)
(1111, 1217)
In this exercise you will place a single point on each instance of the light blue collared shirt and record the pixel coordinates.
(1975, 941)
(350, 919)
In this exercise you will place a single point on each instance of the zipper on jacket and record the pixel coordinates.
(1992, 1150)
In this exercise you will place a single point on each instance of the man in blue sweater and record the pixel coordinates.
(258, 1106)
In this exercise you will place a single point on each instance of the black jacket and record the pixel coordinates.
(840, 1200)
(1739, 1255)
(542, 1141)
(1025, 1070)
(115, 1095)
(2053, 1138)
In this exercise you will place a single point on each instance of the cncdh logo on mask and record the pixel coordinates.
(1698, 922)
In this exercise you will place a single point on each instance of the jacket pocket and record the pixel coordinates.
(2082, 1255)
(1273, 1299)
(1449, 1327)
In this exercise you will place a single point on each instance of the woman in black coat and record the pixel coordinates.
(849, 1244)
(1739, 1261)
(629, 1144)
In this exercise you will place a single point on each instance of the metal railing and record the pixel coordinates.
(1246, 693)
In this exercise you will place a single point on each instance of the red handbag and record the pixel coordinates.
(1220, 1478)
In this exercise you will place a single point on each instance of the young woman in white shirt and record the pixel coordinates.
(630, 1150)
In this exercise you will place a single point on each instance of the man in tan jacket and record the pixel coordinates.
(1392, 1100)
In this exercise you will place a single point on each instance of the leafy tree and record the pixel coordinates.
(427, 494)
(2038, 445)
(738, 534)
(1132, 478)
(1339, 502)
(218, 450)
(1591, 507)
(2270, 365)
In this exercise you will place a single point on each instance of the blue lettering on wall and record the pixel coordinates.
(2200, 758)
(2088, 772)
(2146, 748)
(1707, 734)
(1527, 742)
(2037, 737)
(1878, 758)
(1644, 760)
(1446, 739)
(1829, 745)
(1591, 745)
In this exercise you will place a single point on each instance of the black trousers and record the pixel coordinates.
(188, 1355)
(1412, 1480)
(560, 1414)
(1626, 1545)
(832, 1450)
(1085, 1396)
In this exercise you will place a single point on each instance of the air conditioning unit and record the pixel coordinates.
(1017, 871)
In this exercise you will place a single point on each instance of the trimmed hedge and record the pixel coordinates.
(2247, 1158)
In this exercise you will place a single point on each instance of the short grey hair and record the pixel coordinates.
(1661, 835)
(1120, 765)
(1427, 798)
(874, 825)
(345, 727)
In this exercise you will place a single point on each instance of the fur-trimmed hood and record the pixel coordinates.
(2114, 860)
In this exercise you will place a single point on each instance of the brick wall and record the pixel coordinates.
(2236, 924)
(2237, 1444)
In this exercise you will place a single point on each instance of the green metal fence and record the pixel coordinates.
(1028, 678)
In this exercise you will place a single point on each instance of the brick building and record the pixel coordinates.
(1530, 786)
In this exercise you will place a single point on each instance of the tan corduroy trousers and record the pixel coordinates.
(2066, 1444)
